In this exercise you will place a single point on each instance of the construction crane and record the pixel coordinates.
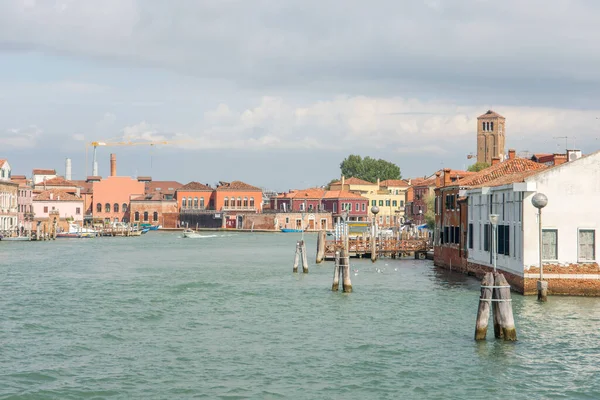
(95, 145)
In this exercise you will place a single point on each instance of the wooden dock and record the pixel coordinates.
(386, 247)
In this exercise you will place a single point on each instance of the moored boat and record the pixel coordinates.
(77, 232)
(289, 230)
(190, 233)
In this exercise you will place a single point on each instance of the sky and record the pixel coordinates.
(277, 93)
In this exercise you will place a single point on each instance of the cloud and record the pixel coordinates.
(20, 137)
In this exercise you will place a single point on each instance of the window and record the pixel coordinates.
(549, 244)
(245, 202)
(373, 203)
(145, 216)
(380, 203)
(287, 220)
(190, 202)
(226, 202)
(503, 240)
(470, 236)
(239, 201)
(387, 203)
(395, 203)
(457, 235)
(136, 216)
(107, 207)
(195, 202)
(45, 209)
(252, 202)
(483, 126)
(486, 237)
(155, 216)
(310, 208)
(202, 202)
(446, 236)
(116, 207)
(364, 206)
(301, 206)
(98, 207)
(357, 207)
(183, 203)
(587, 245)
(77, 210)
(334, 207)
(124, 207)
(491, 126)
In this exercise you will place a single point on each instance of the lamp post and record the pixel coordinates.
(345, 228)
(539, 201)
(375, 211)
(494, 222)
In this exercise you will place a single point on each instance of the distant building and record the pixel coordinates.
(40, 175)
(8, 201)
(490, 137)
(155, 209)
(24, 203)
(68, 206)
(341, 203)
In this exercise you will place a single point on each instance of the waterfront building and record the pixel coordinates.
(339, 202)
(68, 207)
(490, 137)
(111, 196)
(194, 196)
(305, 200)
(277, 220)
(8, 200)
(155, 208)
(238, 196)
(24, 204)
(40, 175)
(569, 222)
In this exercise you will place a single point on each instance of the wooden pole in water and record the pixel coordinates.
(321, 246)
(483, 312)
(345, 267)
(304, 259)
(297, 257)
(373, 248)
(336, 272)
(505, 313)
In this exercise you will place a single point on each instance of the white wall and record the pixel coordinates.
(573, 191)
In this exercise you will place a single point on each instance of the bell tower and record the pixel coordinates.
(490, 137)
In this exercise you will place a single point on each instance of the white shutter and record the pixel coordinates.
(549, 247)
(586, 245)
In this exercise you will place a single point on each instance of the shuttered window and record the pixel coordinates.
(550, 244)
(486, 237)
(587, 245)
(470, 236)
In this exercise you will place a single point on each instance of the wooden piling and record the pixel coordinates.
(345, 267)
(483, 312)
(373, 248)
(304, 258)
(336, 273)
(503, 307)
(542, 289)
(297, 257)
(321, 246)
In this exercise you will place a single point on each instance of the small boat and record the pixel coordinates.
(15, 238)
(289, 230)
(190, 233)
(76, 232)
(154, 227)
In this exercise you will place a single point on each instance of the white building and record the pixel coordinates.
(41, 175)
(68, 205)
(8, 201)
(569, 223)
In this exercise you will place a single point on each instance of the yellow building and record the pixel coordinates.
(389, 196)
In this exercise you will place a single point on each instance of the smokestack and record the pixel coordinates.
(511, 154)
(95, 169)
(438, 179)
(495, 160)
(113, 165)
(68, 169)
(447, 177)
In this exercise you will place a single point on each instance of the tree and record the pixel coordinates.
(369, 169)
(478, 166)
(430, 213)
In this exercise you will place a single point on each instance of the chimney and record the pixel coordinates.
(378, 183)
(51, 196)
(68, 169)
(438, 179)
(113, 165)
(447, 177)
(560, 159)
(343, 181)
(495, 160)
(511, 154)
(78, 192)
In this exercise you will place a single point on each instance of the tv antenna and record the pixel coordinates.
(566, 141)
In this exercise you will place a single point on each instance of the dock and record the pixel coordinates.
(385, 247)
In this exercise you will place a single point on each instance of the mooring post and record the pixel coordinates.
(297, 257)
(503, 306)
(336, 272)
(321, 246)
(345, 267)
(304, 259)
(483, 312)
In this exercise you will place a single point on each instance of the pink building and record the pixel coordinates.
(68, 205)
(111, 196)
(24, 203)
(339, 201)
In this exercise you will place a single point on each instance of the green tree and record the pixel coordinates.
(430, 213)
(478, 166)
(369, 169)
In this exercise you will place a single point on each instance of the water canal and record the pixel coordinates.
(223, 317)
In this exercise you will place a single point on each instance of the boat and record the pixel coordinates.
(150, 227)
(76, 232)
(190, 233)
(290, 230)
(15, 238)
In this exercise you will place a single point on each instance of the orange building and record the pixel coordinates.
(238, 196)
(194, 196)
(111, 196)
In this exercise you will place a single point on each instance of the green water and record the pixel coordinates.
(162, 317)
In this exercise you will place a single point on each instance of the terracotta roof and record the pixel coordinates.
(16, 177)
(44, 172)
(490, 114)
(507, 167)
(166, 187)
(312, 193)
(195, 187)
(543, 158)
(94, 178)
(59, 181)
(58, 195)
(394, 183)
(237, 185)
(357, 181)
(2, 163)
(342, 194)
(86, 187)
(510, 178)
(157, 196)
(144, 178)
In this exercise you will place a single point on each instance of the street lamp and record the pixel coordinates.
(494, 222)
(375, 211)
(539, 201)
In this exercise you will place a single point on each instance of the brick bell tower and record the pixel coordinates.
(490, 137)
